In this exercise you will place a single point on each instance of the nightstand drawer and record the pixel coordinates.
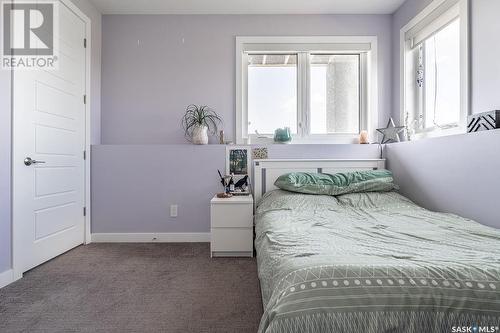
(232, 239)
(232, 215)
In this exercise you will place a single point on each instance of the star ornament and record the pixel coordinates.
(390, 132)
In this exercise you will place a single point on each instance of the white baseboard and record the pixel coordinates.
(7, 278)
(174, 237)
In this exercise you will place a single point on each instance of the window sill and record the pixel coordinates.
(334, 139)
(436, 132)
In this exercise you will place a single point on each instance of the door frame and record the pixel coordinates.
(16, 244)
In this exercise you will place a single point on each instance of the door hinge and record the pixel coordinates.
(84, 211)
(84, 154)
(84, 99)
(85, 42)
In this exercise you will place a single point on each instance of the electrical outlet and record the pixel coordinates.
(173, 210)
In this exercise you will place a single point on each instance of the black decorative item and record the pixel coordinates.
(242, 183)
(483, 121)
(390, 132)
(222, 181)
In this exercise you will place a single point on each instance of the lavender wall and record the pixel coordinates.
(456, 173)
(133, 186)
(155, 65)
(5, 130)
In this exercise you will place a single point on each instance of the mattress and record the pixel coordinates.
(373, 262)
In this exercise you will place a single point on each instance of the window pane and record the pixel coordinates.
(335, 106)
(272, 93)
(442, 77)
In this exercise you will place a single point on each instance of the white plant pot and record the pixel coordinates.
(200, 135)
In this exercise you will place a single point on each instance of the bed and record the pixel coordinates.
(369, 262)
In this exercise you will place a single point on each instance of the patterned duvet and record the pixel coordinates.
(373, 263)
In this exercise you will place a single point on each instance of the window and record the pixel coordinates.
(316, 86)
(335, 88)
(435, 98)
(272, 92)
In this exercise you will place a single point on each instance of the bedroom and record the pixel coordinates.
(146, 264)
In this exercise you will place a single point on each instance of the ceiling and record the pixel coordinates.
(247, 6)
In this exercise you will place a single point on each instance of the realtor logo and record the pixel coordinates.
(29, 34)
(474, 329)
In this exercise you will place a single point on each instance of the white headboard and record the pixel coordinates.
(267, 171)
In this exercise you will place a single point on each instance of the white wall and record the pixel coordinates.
(485, 55)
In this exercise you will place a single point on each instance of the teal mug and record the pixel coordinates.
(283, 135)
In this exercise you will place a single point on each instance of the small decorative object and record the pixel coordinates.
(259, 153)
(242, 183)
(225, 181)
(412, 126)
(198, 122)
(224, 195)
(282, 135)
(483, 121)
(420, 69)
(221, 137)
(231, 184)
(363, 138)
(390, 132)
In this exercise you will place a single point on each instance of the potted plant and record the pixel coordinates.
(199, 122)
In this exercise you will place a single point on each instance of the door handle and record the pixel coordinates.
(28, 161)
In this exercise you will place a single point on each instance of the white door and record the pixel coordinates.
(49, 127)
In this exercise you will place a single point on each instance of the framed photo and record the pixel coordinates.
(238, 161)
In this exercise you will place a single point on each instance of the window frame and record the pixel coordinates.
(368, 83)
(436, 10)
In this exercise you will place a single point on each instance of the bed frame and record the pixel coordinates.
(267, 171)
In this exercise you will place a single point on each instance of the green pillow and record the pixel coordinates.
(336, 184)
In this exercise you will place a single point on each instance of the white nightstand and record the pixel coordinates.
(232, 226)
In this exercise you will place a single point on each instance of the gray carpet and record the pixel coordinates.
(135, 288)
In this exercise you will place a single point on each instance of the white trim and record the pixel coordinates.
(88, 64)
(266, 171)
(8, 277)
(253, 11)
(369, 106)
(17, 272)
(173, 237)
(465, 86)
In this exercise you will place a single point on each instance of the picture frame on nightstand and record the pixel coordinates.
(239, 162)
